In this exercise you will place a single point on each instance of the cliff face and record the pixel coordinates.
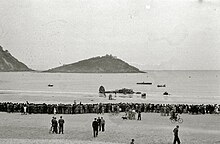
(10, 63)
(104, 64)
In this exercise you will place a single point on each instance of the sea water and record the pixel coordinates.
(183, 86)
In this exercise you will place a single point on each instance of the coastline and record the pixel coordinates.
(53, 97)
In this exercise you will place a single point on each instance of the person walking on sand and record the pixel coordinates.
(61, 123)
(103, 124)
(132, 141)
(176, 137)
(95, 127)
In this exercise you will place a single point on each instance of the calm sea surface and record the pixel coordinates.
(183, 86)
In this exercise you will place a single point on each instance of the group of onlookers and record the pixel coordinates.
(55, 125)
(102, 108)
(98, 125)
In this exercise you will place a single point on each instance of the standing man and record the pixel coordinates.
(132, 141)
(139, 115)
(176, 138)
(103, 124)
(61, 123)
(54, 125)
(51, 128)
(95, 127)
(99, 123)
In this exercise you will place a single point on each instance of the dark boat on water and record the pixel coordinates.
(161, 85)
(145, 83)
(50, 85)
(125, 91)
(143, 95)
(166, 93)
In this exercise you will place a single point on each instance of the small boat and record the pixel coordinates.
(143, 95)
(166, 93)
(161, 85)
(145, 83)
(125, 91)
(50, 85)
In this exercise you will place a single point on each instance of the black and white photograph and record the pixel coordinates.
(110, 71)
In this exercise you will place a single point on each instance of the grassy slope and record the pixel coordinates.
(105, 64)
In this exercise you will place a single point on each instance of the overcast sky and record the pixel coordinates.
(149, 34)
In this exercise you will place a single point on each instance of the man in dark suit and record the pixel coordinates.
(103, 124)
(176, 137)
(132, 141)
(95, 126)
(61, 123)
(99, 123)
(54, 125)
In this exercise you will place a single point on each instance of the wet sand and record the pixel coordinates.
(153, 129)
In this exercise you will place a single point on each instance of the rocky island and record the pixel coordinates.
(9, 63)
(103, 64)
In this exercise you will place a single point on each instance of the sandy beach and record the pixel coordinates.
(77, 58)
(153, 129)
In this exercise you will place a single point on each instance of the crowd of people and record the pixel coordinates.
(101, 108)
(98, 125)
(55, 125)
(130, 109)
